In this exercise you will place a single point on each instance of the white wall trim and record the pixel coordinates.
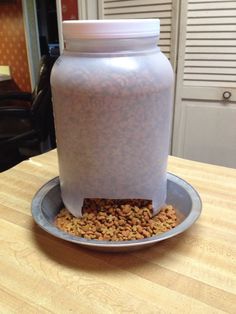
(59, 25)
(82, 8)
(100, 9)
(88, 9)
(33, 75)
(36, 28)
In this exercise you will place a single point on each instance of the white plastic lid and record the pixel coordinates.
(129, 28)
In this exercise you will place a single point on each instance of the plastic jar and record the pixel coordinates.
(112, 97)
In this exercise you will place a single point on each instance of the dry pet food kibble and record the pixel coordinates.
(116, 220)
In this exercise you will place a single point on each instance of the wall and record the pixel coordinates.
(12, 43)
(69, 9)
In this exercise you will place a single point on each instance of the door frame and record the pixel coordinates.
(32, 43)
(177, 123)
(88, 10)
(59, 25)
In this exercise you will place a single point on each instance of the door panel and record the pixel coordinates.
(165, 10)
(207, 137)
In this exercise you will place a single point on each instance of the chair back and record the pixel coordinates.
(41, 108)
(45, 68)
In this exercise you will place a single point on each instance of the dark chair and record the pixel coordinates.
(27, 129)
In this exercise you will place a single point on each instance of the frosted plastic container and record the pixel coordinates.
(112, 97)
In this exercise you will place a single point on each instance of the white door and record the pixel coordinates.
(205, 106)
(165, 10)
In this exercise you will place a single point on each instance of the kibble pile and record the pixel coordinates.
(114, 220)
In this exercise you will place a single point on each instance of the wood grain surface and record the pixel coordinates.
(195, 272)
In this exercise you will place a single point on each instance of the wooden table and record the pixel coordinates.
(192, 273)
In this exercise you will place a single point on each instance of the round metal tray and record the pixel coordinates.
(47, 203)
